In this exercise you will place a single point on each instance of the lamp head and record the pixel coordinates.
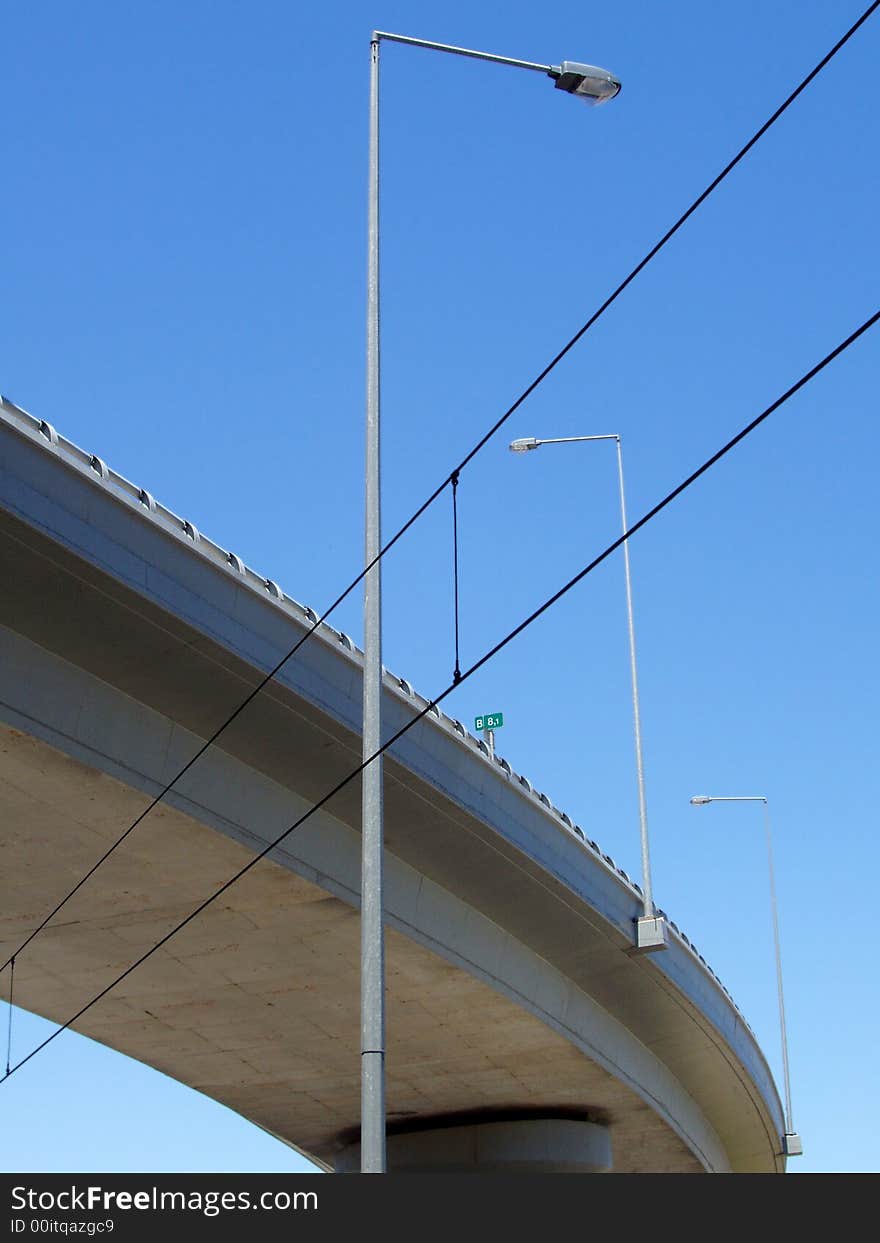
(523, 445)
(587, 82)
(700, 800)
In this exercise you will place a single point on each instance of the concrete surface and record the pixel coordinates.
(127, 638)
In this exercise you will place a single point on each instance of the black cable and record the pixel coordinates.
(474, 451)
(9, 1031)
(241, 707)
(456, 675)
(713, 185)
(572, 582)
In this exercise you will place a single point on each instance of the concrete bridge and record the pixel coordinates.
(522, 1031)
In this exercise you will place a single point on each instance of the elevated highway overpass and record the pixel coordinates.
(522, 1031)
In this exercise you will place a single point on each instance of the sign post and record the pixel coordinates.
(488, 723)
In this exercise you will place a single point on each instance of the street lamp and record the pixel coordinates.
(792, 1145)
(594, 86)
(651, 931)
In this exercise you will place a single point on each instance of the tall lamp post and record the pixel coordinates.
(594, 86)
(651, 932)
(792, 1145)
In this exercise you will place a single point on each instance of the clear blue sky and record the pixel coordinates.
(183, 291)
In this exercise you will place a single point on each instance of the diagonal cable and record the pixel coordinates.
(9, 1030)
(456, 674)
(264, 681)
(487, 656)
(655, 250)
(670, 233)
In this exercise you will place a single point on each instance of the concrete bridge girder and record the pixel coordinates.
(503, 926)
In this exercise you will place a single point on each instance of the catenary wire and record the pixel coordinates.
(9, 1029)
(713, 185)
(456, 673)
(487, 656)
(526, 393)
(264, 681)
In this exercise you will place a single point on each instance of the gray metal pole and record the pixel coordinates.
(637, 719)
(760, 798)
(372, 942)
(651, 941)
(372, 939)
(463, 51)
(788, 1121)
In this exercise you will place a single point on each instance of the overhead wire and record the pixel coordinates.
(457, 682)
(452, 477)
(456, 673)
(9, 1027)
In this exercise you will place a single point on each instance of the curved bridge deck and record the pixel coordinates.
(127, 637)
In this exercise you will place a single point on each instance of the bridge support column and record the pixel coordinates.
(528, 1146)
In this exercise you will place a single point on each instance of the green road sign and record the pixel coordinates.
(491, 720)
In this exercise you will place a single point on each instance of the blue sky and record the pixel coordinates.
(184, 218)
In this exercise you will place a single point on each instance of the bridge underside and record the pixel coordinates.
(515, 1005)
(255, 1003)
